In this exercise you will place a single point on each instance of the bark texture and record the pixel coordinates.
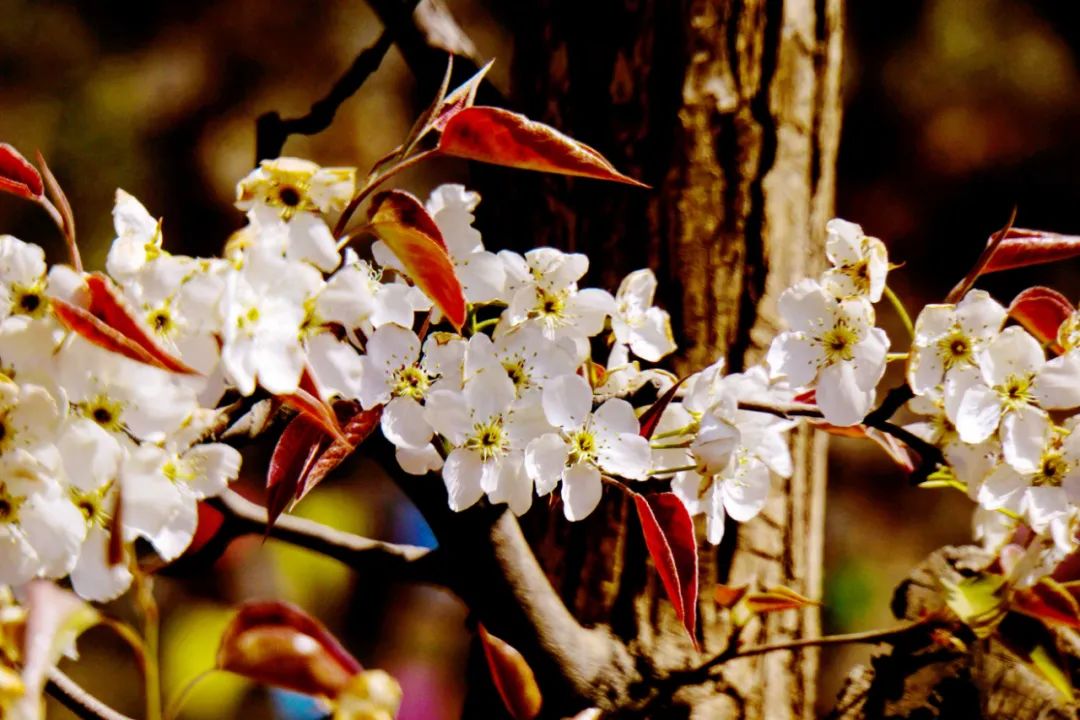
(730, 110)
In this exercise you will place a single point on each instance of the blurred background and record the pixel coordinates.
(956, 111)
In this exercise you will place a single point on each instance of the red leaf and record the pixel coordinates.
(294, 454)
(460, 98)
(776, 599)
(90, 328)
(356, 430)
(651, 417)
(669, 535)
(501, 137)
(18, 176)
(1041, 311)
(278, 644)
(108, 304)
(513, 677)
(727, 596)
(897, 451)
(67, 217)
(210, 522)
(400, 221)
(1048, 600)
(316, 410)
(1021, 248)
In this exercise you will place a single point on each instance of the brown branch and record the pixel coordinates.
(407, 562)
(271, 130)
(489, 564)
(72, 696)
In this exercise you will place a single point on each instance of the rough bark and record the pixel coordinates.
(730, 109)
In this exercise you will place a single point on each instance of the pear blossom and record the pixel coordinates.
(833, 346)
(355, 297)
(949, 337)
(588, 444)
(284, 199)
(263, 316)
(739, 491)
(636, 323)
(860, 263)
(138, 238)
(22, 278)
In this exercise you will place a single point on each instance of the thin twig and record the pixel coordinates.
(244, 517)
(874, 637)
(72, 696)
(271, 130)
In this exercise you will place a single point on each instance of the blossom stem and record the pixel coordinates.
(177, 703)
(894, 357)
(901, 311)
(673, 470)
(374, 182)
(684, 430)
(81, 703)
(144, 598)
(670, 446)
(485, 324)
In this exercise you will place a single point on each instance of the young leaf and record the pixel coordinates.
(294, 454)
(67, 217)
(18, 176)
(400, 221)
(357, 429)
(90, 328)
(1034, 644)
(316, 410)
(501, 137)
(727, 596)
(978, 601)
(897, 451)
(1049, 601)
(651, 417)
(776, 599)
(278, 644)
(461, 98)
(512, 676)
(1020, 248)
(669, 536)
(1041, 311)
(109, 304)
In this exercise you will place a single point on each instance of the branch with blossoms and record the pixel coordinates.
(482, 380)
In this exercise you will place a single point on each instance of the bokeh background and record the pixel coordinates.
(956, 111)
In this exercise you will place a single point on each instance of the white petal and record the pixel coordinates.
(1057, 386)
(1013, 352)
(652, 340)
(581, 491)
(1003, 488)
(513, 485)
(404, 423)
(311, 240)
(978, 414)
(93, 578)
(545, 459)
(934, 322)
(462, 474)
(217, 465)
(1024, 434)
(419, 462)
(839, 396)
(56, 528)
(796, 357)
(174, 537)
(567, 401)
(979, 315)
(627, 455)
(746, 492)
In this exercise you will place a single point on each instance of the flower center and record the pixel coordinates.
(839, 342)
(1052, 470)
(9, 505)
(161, 320)
(105, 412)
(27, 299)
(92, 504)
(1015, 391)
(955, 349)
(549, 305)
(489, 439)
(411, 382)
(582, 446)
(515, 369)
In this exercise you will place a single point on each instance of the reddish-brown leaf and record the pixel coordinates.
(651, 417)
(18, 176)
(400, 221)
(109, 304)
(776, 599)
(1048, 600)
(669, 536)
(278, 644)
(1021, 248)
(90, 328)
(512, 676)
(64, 208)
(727, 596)
(209, 523)
(897, 451)
(461, 98)
(315, 409)
(1041, 311)
(356, 430)
(501, 137)
(293, 457)
(115, 552)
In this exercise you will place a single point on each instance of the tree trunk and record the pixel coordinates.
(730, 110)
